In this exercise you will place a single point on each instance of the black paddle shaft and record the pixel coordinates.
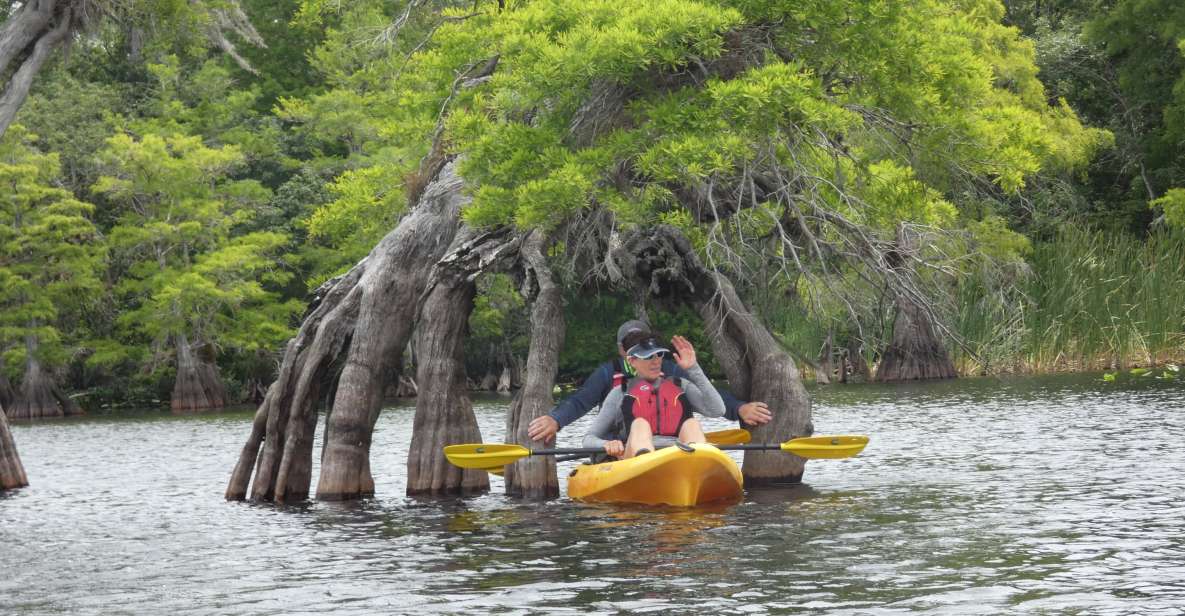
(579, 452)
(751, 447)
(584, 451)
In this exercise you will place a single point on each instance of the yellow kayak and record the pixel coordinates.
(669, 476)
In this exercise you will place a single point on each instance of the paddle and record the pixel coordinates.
(495, 455)
(735, 436)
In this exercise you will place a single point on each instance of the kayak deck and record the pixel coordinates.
(669, 476)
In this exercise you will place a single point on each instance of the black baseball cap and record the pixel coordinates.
(646, 349)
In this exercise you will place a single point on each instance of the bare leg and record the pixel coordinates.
(640, 438)
(692, 432)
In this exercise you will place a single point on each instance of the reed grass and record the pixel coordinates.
(1084, 300)
(1090, 301)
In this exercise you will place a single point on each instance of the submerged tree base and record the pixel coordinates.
(39, 397)
(12, 472)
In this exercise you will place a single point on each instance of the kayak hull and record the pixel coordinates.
(669, 476)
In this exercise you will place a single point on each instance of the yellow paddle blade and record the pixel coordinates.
(484, 456)
(736, 436)
(496, 471)
(841, 446)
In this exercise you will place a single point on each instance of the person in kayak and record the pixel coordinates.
(651, 408)
(611, 374)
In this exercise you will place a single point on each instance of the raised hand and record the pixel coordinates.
(684, 352)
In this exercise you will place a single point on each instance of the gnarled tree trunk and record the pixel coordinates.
(198, 386)
(27, 38)
(664, 263)
(535, 476)
(367, 315)
(915, 351)
(444, 412)
(38, 395)
(12, 473)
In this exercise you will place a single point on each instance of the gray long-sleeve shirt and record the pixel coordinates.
(698, 391)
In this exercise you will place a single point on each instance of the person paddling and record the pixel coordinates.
(611, 374)
(652, 408)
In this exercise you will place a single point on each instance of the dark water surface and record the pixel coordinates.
(1037, 496)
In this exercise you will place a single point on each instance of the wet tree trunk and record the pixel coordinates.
(535, 477)
(663, 262)
(12, 473)
(198, 386)
(915, 352)
(366, 315)
(38, 395)
(444, 412)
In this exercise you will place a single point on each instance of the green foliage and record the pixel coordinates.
(932, 113)
(188, 274)
(1173, 205)
(73, 119)
(964, 85)
(1119, 65)
(1092, 300)
(493, 308)
(49, 254)
(993, 238)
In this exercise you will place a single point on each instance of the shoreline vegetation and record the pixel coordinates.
(1084, 301)
(1009, 172)
(1091, 302)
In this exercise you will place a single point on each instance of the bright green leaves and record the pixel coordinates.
(715, 131)
(523, 174)
(959, 88)
(771, 97)
(161, 172)
(189, 275)
(1173, 204)
(366, 204)
(554, 49)
(50, 255)
(994, 239)
(893, 194)
(552, 54)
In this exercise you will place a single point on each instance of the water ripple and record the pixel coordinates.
(1052, 496)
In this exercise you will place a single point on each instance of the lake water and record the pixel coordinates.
(1058, 495)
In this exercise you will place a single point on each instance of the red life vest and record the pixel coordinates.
(619, 375)
(659, 403)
